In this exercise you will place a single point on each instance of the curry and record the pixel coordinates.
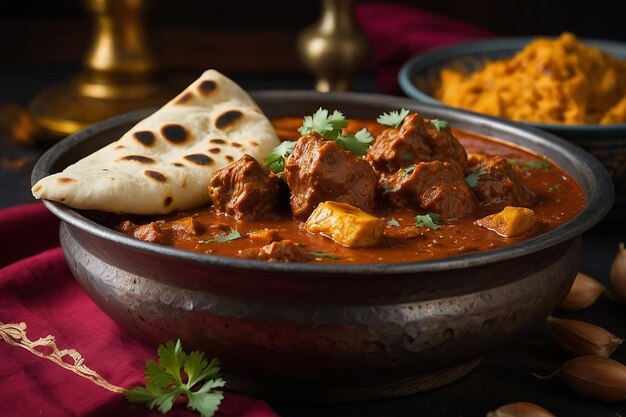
(559, 81)
(420, 191)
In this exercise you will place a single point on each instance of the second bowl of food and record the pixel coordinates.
(571, 87)
(361, 267)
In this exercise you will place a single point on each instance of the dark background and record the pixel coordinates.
(198, 34)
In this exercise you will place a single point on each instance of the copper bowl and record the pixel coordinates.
(332, 332)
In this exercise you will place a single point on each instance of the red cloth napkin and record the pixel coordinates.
(37, 288)
(398, 32)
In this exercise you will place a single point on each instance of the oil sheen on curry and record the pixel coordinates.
(411, 189)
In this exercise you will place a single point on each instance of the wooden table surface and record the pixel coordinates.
(504, 376)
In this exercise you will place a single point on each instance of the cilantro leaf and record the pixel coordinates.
(393, 223)
(439, 124)
(324, 255)
(472, 178)
(391, 190)
(430, 220)
(408, 169)
(164, 383)
(393, 118)
(275, 159)
(537, 164)
(329, 127)
(223, 237)
(358, 143)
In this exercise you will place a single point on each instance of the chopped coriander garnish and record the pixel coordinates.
(391, 190)
(358, 143)
(472, 178)
(275, 159)
(430, 220)
(165, 383)
(439, 124)
(394, 118)
(537, 164)
(393, 223)
(331, 128)
(408, 169)
(223, 237)
(324, 255)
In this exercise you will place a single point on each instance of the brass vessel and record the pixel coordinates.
(120, 73)
(334, 48)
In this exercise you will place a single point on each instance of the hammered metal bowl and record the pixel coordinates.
(332, 332)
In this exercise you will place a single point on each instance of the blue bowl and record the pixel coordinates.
(419, 77)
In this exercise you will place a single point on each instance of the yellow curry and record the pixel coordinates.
(550, 81)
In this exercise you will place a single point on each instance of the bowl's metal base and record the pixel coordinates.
(336, 392)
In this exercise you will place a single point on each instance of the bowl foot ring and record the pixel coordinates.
(333, 391)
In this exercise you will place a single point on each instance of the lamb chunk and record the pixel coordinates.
(432, 186)
(319, 170)
(245, 189)
(417, 140)
(281, 251)
(500, 186)
(187, 226)
(154, 232)
(126, 227)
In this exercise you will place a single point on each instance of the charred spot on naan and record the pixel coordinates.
(215, 150)
(236, 145)
(228, 118)
(168, 200)
(138, 158)
(155, 175)
(145, 137)
(65, 180)
(199, 159)
(218, 141)
(175, 133)
(185, 98)
(206, 87)
(229, 158)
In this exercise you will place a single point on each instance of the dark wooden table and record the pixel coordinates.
(504, 376)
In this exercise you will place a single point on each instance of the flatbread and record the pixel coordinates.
(164, 163)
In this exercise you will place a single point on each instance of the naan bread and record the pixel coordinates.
(165, 162)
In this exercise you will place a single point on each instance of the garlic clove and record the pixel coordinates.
(595, 377)
(584, 292)
(618, 273)
(520, 409)
(578, 338)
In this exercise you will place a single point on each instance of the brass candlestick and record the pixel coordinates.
(334, 48)
(120, 73)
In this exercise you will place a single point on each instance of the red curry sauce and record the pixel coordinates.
(560, 199)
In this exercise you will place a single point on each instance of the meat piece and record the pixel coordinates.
(154, 232)
(432, 186)
(345, 224)
(319, 170)
(265, 235)
(417, 140)
(126, 227)
(245, 189)
(499, 185)
(187, 226)
(510, 222)
(281, 251)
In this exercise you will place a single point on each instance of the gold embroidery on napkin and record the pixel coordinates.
(15, 335)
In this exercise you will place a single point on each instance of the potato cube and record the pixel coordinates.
(345, 224)
(510, 222)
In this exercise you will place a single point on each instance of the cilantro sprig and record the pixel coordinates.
(324, 255)
(430, 220)
(473, 177)
(394, 118)
(165, 383)
(331, 128)
(439, 124)
(275, 159)
(224, 237)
